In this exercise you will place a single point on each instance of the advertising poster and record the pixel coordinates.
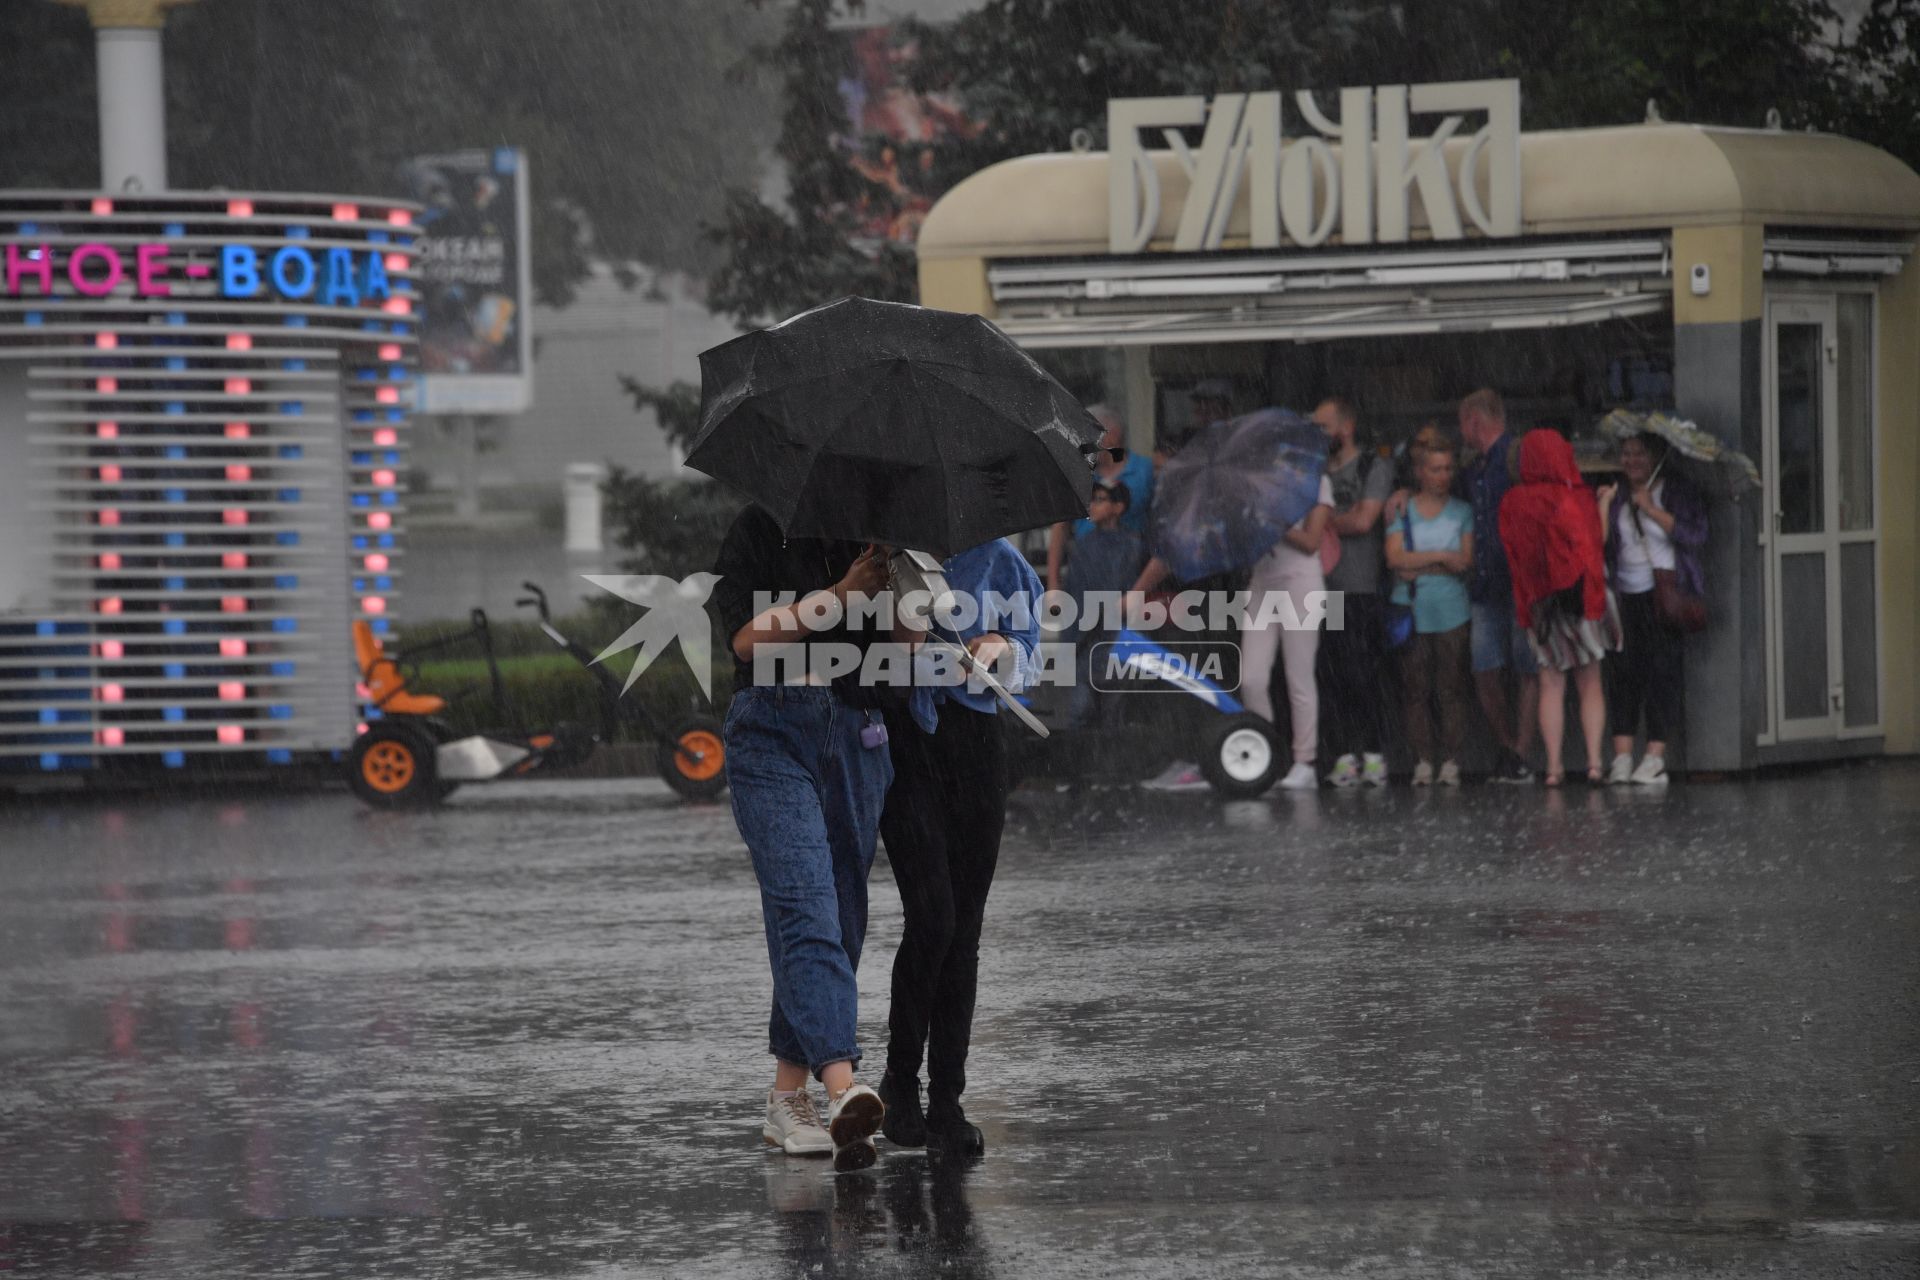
(476, 340)
(889, 134)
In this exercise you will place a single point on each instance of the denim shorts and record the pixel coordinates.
(1498, 641)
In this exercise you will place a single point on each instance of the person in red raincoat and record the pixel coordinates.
(1551, 530)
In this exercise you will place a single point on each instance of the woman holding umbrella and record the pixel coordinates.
(808, 768)
(942, 826)
(1654, 523)
(1253, 493)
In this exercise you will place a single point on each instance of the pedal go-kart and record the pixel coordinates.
(410, 754)
(1240, 754)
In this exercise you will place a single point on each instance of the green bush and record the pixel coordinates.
(548, 687)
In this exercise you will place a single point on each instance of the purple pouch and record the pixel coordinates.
(873, 734)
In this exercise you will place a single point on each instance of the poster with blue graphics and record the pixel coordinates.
(476, 335)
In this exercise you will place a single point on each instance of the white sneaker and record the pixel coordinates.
(1346, 772)
(1449, 774)
(1423, 774)
(1301, 778)
(1373, 771)
(794, 1126)
(1620, 772)
(852, 1120)
(1651, 773)
(1179, 776)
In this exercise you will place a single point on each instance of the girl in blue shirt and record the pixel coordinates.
(1430, 549)
(942, 826)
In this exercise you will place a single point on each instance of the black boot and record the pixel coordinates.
(905, 1124)
(949, 1133)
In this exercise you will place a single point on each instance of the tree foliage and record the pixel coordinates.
(670, 527)
(780, 257)
(635, 116)
(1032, 72)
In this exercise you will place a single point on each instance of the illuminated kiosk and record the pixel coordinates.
(1762, 282)
(204, 400)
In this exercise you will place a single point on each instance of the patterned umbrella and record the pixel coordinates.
(1734, 470)
(1234, 489)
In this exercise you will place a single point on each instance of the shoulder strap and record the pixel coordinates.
(1406, 535)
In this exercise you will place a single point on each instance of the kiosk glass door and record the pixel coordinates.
(1819, 471)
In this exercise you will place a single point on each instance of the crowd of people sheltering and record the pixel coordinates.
(1494, 576)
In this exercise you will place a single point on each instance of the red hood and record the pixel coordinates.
(1547, 458)
(1551, 529)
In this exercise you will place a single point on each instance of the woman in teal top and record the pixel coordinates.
(1430, 549)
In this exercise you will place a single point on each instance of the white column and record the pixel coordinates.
(133, 109)
(584, 506)
(133, 90)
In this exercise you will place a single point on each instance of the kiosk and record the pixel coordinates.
(1759, 282)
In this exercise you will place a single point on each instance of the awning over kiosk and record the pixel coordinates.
(1308, 298)
(1027, 242)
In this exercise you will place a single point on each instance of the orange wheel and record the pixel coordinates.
(388, 767)
(700, 755)
(694, 760)
(392, 765)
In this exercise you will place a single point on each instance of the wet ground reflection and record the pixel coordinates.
(1489, 1032)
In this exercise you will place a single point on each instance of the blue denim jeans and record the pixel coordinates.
(807, 798)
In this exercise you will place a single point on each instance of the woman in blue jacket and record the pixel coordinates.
(942, 826)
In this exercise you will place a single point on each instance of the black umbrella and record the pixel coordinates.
(882, 422)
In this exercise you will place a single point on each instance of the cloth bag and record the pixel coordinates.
(1677, 607)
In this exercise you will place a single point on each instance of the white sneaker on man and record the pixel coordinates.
(1301, 777)
(794, 1126)
(1181, 775)
(1373, 769)
(1346, 772)
(1620, 772)
(1423, 774)
(1449, 774)
(1651, 773)
(852, 1120)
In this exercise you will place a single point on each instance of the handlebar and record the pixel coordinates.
(536, 599)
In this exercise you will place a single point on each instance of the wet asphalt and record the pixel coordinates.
(1493, 1032)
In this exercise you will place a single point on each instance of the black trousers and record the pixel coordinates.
(1647, 674)
(942, 826)
(1355, 680)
